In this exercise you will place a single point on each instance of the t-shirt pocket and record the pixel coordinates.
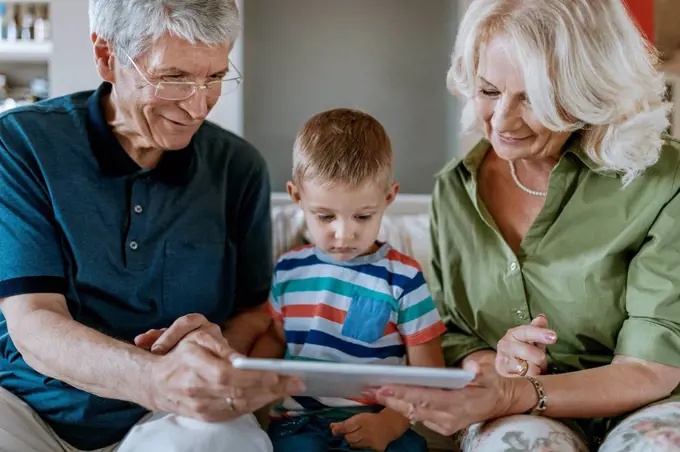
(366, 318)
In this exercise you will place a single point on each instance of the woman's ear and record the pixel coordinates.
(103, 58)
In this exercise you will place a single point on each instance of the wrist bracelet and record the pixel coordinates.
(542, 404)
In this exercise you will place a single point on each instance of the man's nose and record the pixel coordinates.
(197, 105)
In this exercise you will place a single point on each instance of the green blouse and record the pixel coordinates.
(602, 262)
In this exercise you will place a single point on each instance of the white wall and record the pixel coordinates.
(72, 67)
(387, 57)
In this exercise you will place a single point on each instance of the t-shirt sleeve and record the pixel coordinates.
(418, 321)
(652, 330)
(31, 256)
(254, 235)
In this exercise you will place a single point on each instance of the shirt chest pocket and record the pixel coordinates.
(366, 319)
(197, 278)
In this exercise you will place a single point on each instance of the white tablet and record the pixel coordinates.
(326, 379)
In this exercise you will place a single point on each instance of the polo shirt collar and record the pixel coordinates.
(174, 168)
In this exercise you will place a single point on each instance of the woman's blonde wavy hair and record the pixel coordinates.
(587, 68)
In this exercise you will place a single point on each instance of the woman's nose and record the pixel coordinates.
(506, 116)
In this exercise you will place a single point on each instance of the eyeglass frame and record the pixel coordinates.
(197, 86)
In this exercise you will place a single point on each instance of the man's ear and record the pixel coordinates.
(103, 58)
(392, 193)
(293, 192)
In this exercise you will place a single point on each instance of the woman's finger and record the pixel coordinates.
(406, 399)
(442, 430)
(513, 367)
(532, 334)
(541, 321)
(529, 353)
(422, 412)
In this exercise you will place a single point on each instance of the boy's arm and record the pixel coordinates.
(271, 344)
(428, 354)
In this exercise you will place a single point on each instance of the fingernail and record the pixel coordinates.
(386, 392)
(158, 349)
(542, 315)
(551, 337)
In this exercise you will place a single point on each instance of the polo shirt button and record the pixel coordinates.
(514, 267)
(134, 245)
(521, 314)
(139, 209)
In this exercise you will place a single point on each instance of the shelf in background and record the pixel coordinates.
(25, 51)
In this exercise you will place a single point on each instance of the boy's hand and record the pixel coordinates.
(373, 431)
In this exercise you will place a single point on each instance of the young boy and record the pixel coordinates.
(347, 298)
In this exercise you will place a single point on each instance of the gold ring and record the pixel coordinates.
(522, 367)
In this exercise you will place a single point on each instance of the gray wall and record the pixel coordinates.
(387, 57)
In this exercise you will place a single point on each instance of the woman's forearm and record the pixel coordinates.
(603, 392)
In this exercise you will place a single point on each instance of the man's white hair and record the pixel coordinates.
(133, 26)
(586, 68)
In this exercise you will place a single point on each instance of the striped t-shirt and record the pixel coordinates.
(366, 310)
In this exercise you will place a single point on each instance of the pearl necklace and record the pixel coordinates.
(513, 172)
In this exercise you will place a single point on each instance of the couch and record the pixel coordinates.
(405, 226)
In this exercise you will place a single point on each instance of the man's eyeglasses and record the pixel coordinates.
(184, 90)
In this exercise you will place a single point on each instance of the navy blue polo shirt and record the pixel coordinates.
(129, 249)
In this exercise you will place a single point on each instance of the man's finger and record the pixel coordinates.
(177, 331)
(530, 334)
(218, 345)
(146, 340)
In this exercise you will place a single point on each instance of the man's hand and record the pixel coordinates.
(373, 431)
(196, 379)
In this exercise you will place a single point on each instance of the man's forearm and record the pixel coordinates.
(603, 392)
(59, 347)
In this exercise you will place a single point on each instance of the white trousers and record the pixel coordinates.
(22, 430)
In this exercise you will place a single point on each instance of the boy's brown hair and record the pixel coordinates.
(342, 146)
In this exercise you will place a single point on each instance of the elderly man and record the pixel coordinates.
(122, 210)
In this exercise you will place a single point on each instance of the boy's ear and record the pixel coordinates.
(392, 193)
(293, 192)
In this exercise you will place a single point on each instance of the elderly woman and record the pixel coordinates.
(556, 239)
(122, 210)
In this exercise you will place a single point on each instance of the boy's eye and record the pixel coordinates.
(325, 218)
(364, 217)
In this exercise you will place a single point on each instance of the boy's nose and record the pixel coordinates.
(343, 233)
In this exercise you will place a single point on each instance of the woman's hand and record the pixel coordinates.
(525, 343)
(489, 396)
